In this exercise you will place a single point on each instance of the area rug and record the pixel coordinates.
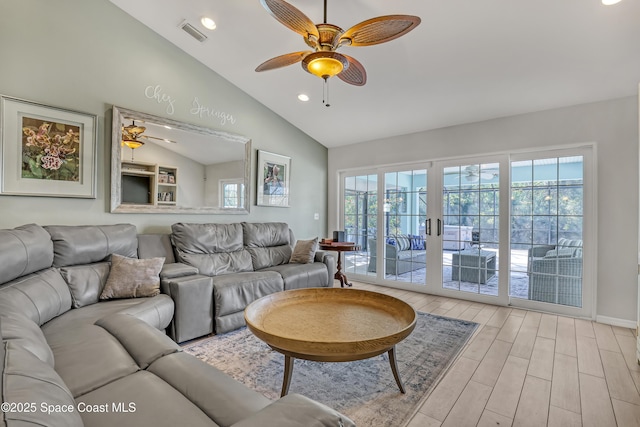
(363, 390)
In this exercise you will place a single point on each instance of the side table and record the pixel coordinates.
(340, 247)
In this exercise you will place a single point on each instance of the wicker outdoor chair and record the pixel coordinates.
(557, 280)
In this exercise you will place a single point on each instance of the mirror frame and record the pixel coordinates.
(116, 165)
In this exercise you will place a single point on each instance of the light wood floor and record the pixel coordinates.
(524, 368)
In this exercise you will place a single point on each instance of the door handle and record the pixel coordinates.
(439, 227)
(428, 231)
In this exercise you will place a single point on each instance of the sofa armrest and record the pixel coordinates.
(193, 298)
(329, 260)
(177, 269)
(391, 251)
(295, 410)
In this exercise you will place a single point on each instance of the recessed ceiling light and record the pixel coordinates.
(610, 2)
(303, 97)
(208, 23)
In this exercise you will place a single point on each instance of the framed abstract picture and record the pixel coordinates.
(46, 151)
(273, 183)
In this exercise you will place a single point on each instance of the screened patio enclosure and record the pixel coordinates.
(545, 232)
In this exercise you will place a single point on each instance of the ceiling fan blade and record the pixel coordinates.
(282, 60)
(378, 30)
(354, 74)
(291, 17)
(159, 139)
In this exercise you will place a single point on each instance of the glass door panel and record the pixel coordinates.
(547, 206)
(405, 214)
(470, 228)
(360, 223)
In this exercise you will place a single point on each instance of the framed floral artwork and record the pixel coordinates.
(274, 173)
(47, 151)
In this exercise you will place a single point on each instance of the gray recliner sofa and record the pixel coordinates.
(70, 359)
(235, 265)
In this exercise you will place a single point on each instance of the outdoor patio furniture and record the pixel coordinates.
(473, 265)
(556, 277)
(565, 248)
(397, 261)
(557, 280)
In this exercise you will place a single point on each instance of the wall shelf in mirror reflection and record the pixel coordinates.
(178, 167)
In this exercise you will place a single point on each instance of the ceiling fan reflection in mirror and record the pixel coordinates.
(323, 61)
(132, 136)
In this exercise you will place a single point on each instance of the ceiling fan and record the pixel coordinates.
(472, 173)
(323, 61)
(132, 136)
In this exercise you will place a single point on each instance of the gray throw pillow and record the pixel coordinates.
(132, 277)
(304, 251)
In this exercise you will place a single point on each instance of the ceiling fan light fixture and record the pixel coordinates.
(132, 143)
(610, 2)
(325, 64)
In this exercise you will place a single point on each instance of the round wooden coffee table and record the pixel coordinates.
(331, 325)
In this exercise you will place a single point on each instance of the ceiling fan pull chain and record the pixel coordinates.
(325, 92)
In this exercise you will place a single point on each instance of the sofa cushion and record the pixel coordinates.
(214, 249)
(156, 311)
(88, 357)
(223, 399)
(265, 234)
(206, 238)
(25, 333)
(86, 282)
(156, 404)
(268, 243)
(219, 263)
(87, 244)
(25, 249)
(296, 276)
(40, 296)
(304, 252)
(232, 293)
(26, 379)
(132, 278)
(266, 257)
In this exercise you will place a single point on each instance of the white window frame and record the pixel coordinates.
(239, 182)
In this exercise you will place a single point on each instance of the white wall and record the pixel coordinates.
(90, 55)
(612, 125)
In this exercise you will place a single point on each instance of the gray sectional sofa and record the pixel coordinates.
(69, 358)
(231, 266)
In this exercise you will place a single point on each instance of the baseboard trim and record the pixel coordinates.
(614, 321)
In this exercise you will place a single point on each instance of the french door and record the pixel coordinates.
(501, 229)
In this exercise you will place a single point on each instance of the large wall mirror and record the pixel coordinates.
(160, 165)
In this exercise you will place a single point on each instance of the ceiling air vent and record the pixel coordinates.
(192, 31)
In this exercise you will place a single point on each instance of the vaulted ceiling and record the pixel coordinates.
(469, 60)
